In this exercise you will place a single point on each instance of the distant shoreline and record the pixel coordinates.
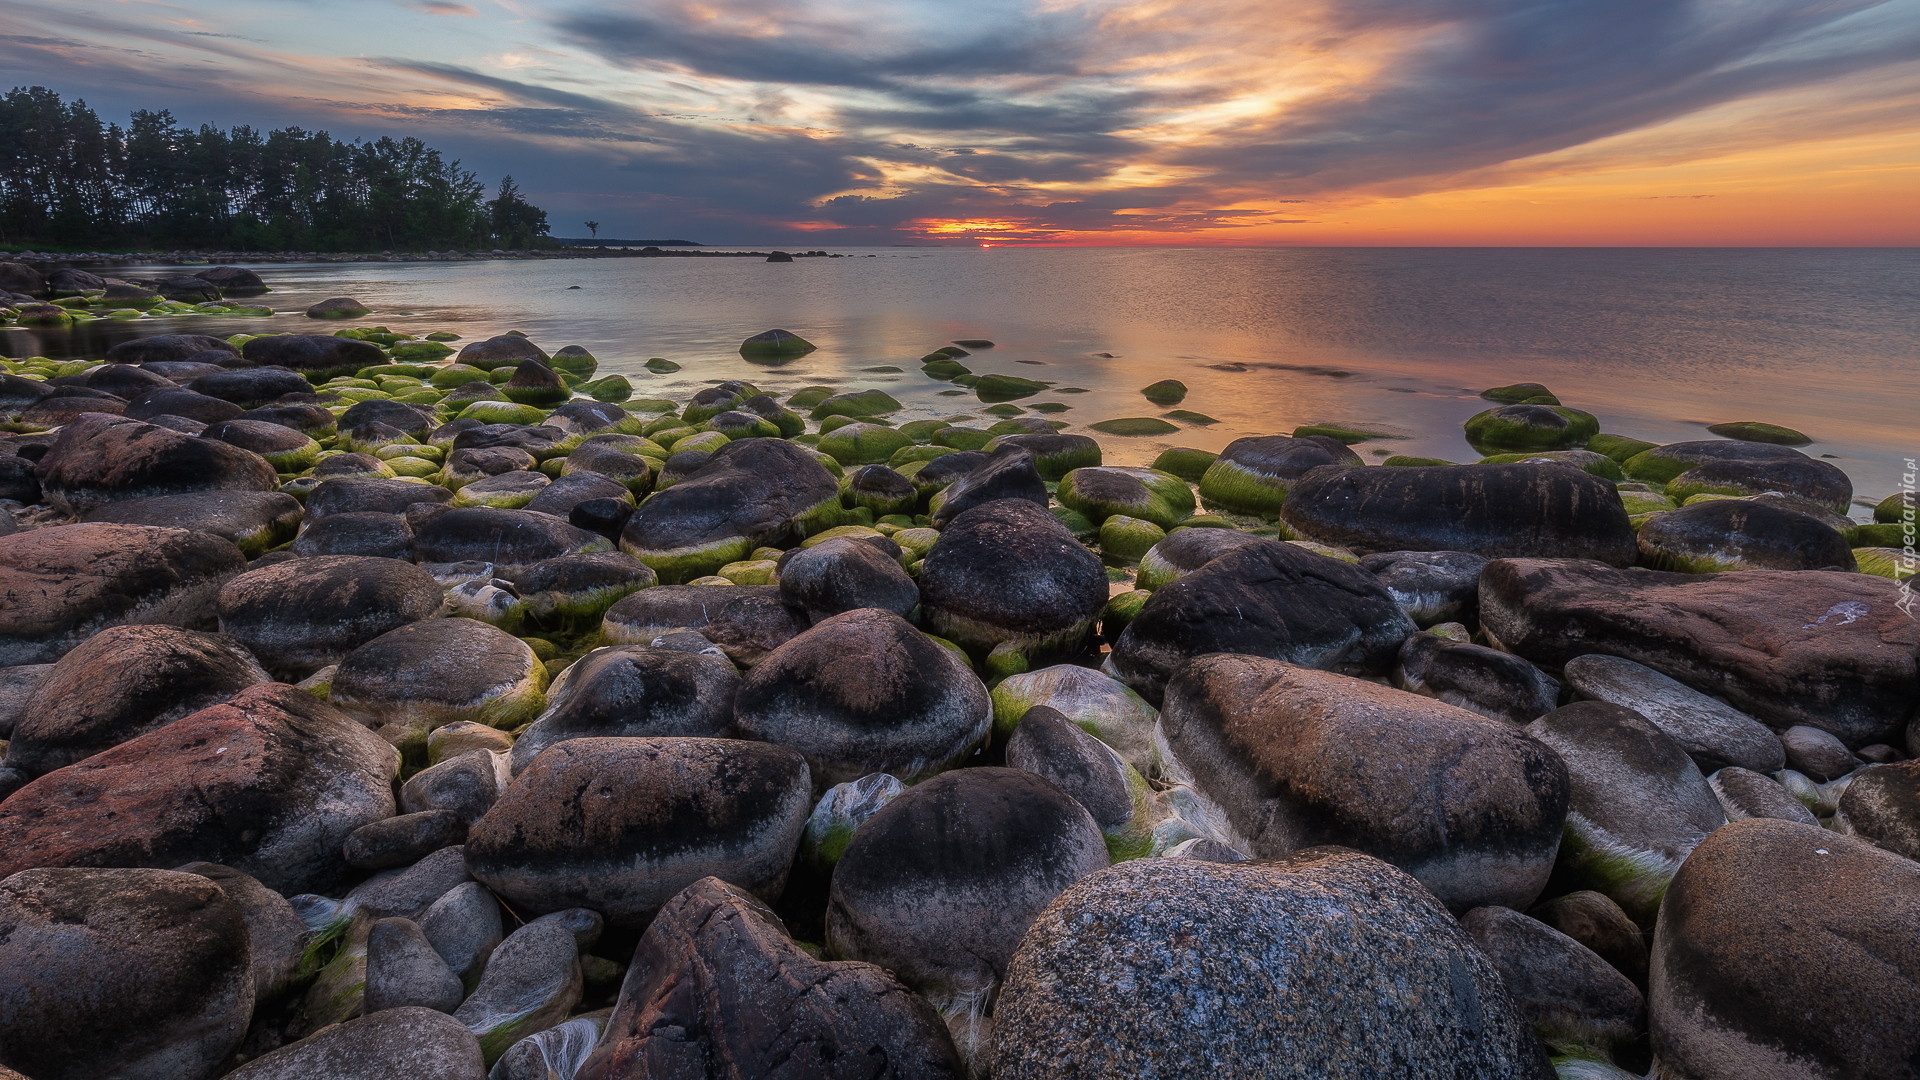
(214, 258)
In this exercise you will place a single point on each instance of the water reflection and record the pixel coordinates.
(1657, 342)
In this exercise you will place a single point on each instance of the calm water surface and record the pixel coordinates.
(1656, 342)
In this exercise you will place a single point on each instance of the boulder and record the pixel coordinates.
(404, 839)
(408, 892)
(1101, 492)
(416, 677)
(865, 692)
(531, 981)
(633, 691)
(1254, 475)
(60, 586)
(285, 448)
(1051, 747)
(1744, 794)
(1639, 805)
(1296, 757)
(844, 574)
(1817, 753)
(1715, 467)
(1596, 922)
(369, 494)
(16, 277)
(253, 520)
(131, 973)
(468, 784)
(939, 886)
(270, 783)
(179, 401)
(573, 592)
(1265, 599)
(1187, 550)
(277, 939)
(367, 534)
(648, 613)
(165, 347)
(1325, 963)
(621, 825)
(510, 539)
(1785, 950)
(504, 350)
(1526, 509)
(1882, 805)
(751, 493)
(233, 280)
(121, 683)
(1712, 732)
(399, 415)
(101, 459)
(463, 926)
(409, 1043)
(1007, 473)
(319, 357)
(404, 971)
(1096, 702)
(1576, 1000)
(1735, 534)
(1431, 586)
(304, 614)
(716, 980)
(17, 685)
(1008, 572)
(1829, 650)
(1525, 427)
(562, 495)
(1473, 677)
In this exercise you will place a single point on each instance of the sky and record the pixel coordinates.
(1256, 122)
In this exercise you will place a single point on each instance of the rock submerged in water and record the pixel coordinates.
(1336, 960)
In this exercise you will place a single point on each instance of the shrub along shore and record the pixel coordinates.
(379, 702)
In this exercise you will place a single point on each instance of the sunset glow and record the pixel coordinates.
(1764, 122)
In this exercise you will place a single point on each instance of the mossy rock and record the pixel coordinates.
(1124, 539)
(1187, 464)
(1886, 562)
(413, 466)
(1879, 535)
(420, 350)
(612, 389)
(1513, 428)
(1618, 447)
(1901, 506)
(1416, 462)
(660, 365)
(863, 444)
(922, 431)
(908, 454)
(1186, 416)
(775, 344)
(1135, 426)
(1755, 431)
(648, 405)
(1080, 525)
(962, 438)
(833, 423)
(735, 424)
(1049, 406)
(502, 412)
(861, 403)
(808, 396)
(1518, 393)
(708, 441)
(1108, 491)
(1585, 460)
(1004, 410)
(411, 371)
(944, 368)
(1165, 392)
(996, 387)
(749, 571)
(573, 360)
(1645, 502)
(1346, 435)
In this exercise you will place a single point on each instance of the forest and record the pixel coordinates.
(70, 181)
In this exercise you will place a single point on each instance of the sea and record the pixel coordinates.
(1656, 342)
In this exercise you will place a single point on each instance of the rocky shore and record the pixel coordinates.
(49, 262)
(378, 705)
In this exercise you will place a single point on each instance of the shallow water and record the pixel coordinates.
(1656, 342)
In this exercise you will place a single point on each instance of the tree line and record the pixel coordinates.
(68, 180)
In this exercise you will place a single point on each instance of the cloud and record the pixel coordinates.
(444, 7)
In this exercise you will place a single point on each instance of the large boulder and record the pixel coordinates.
(1576, 1000)
(1828, 650)
(1881, 804)
(271, 783)
(168, 347)
(317, 356)
(1325, 964)
(1187, 550)
(415, 678)
(633, 691)
(1712, 732)
(864, 692)
(253, 520)
(408, 1043)
(102, 459)
(1476, 678)
(121, 683)
(1008, 572)
(60, 586)
(143, 974)
(1725, 467)
(844, 574)
(1254, 475)
(1638, 807)
(369, 495)
(1787, 951)
(940, 884)
(716, 980)
(1007, 473)
(301, 615)
(749, 494)
(621, 825)
(1266, 599)
(512, 540)
(1738, 534)
(1297, 757)
(1526, 509)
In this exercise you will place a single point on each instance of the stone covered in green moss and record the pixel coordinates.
(862, 403)
(1530, 427)
(1187, 464)
(775, 345)
(1104, 491)
(502, 412)
(996, 387)
(808, 396)
(1124, 539)
(1755, 431)
(1585, 460)
(1618, 447)
(1165, 392)
(1345, 434)
(1897, 508)
(1517, 393)
(1886, 562)
(1134, 426)
(863, 444)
